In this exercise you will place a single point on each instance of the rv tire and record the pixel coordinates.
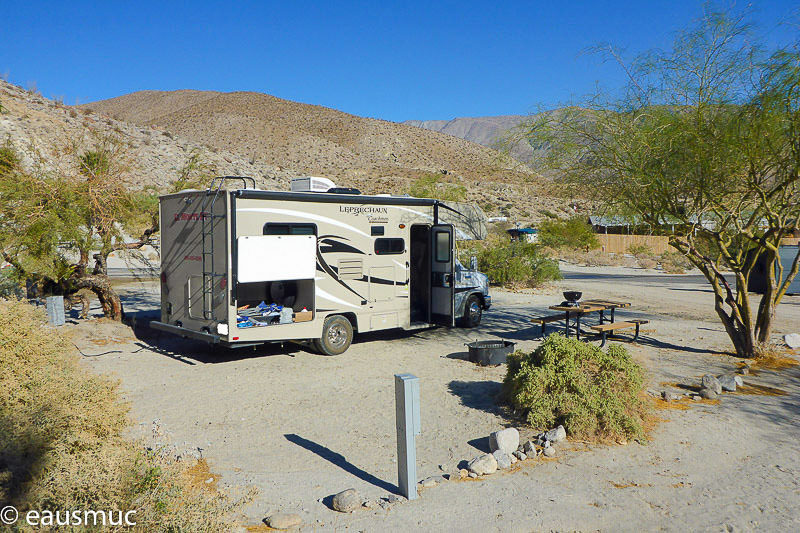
(473, 312)
(337, 334)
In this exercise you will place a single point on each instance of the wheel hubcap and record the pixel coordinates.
(474, 310)
(337, 335)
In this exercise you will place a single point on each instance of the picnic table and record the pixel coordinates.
(586, 307)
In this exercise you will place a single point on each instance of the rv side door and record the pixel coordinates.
(442, 278)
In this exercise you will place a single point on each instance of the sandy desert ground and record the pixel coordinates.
(301, 427)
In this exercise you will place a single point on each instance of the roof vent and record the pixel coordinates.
(312, 184)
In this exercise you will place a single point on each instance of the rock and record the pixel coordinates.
(346, 501)
(728, 383)
(739, 381)
(792, 340)
(513, 458)
(370, 504)
(463, 473)
(549, 452)
(670, 396)
(484, 464)
(696, 397)
(503, 459)
(284, 521)
(520, 455)
(505, 439)
(556, 434)
(429, 482)
(744, 370)
(529, 448)
(473, 475)
(654, 393)
(547, 444)
(711, 382)
(709, 394)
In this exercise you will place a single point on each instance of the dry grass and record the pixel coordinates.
(62, 444)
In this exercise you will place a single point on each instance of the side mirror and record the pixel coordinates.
(473, 263)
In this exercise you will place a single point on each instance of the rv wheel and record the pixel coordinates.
(337, 334)
(473, 311)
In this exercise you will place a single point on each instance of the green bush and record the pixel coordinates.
(573, 232)
(509, 262)
(593, 393)
(640, 249)
(431, 186)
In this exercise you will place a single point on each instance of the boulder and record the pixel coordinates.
(520, 455)
(506, 440)
(346, 501)
(739, 381)
(728, 383)
(503, 459)
(711, 382)
(529, 448)
(284, 521)
(549, 452)
(556, 434)
(483, 464)
(709, 394)
(792, 340)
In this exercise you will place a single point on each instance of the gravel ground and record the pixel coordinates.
(301, 427)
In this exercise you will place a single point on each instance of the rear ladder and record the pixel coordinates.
(207, 224)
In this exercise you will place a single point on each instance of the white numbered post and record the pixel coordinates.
(406, 391)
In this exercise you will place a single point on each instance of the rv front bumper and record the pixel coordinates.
(184, 332)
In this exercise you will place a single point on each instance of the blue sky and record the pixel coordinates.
(382, 59)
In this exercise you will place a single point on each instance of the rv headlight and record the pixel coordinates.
(222, 329)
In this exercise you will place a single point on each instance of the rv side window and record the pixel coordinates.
(273, 228)
(389, 246)
(442, 254)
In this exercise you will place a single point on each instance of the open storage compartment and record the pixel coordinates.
(275, 279)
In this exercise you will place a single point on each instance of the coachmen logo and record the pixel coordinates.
(191, 216)
(359, 210)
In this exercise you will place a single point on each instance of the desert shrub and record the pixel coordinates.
(640, 249)
(431, 186)
(646, 262)
(674, 263)
(511, 263)
(573, 232)
(593, 258)
(62, 444)
(594, 393)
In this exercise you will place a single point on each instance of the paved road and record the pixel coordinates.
(639, 279)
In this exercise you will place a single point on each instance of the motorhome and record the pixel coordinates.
(242, 266)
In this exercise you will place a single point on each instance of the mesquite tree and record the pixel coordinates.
(60, 220)
(705, 137)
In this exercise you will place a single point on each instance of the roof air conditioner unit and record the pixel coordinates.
(311, 184)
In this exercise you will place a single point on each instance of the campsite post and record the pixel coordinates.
(406, 390)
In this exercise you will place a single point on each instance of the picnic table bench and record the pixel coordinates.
(567, 312)
(606, 329)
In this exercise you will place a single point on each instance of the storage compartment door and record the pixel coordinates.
(442, 281)
(276, 257)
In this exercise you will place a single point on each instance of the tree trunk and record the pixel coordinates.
(101, 286)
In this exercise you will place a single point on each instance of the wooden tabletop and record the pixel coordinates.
(607, 303)
(577, 309)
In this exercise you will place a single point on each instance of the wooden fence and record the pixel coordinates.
(658, 244)
(620, 244)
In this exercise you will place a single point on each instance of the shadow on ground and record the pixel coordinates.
(339, 460)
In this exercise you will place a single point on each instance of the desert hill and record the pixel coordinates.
(308, 138)
(488, 131)
(272, 140)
